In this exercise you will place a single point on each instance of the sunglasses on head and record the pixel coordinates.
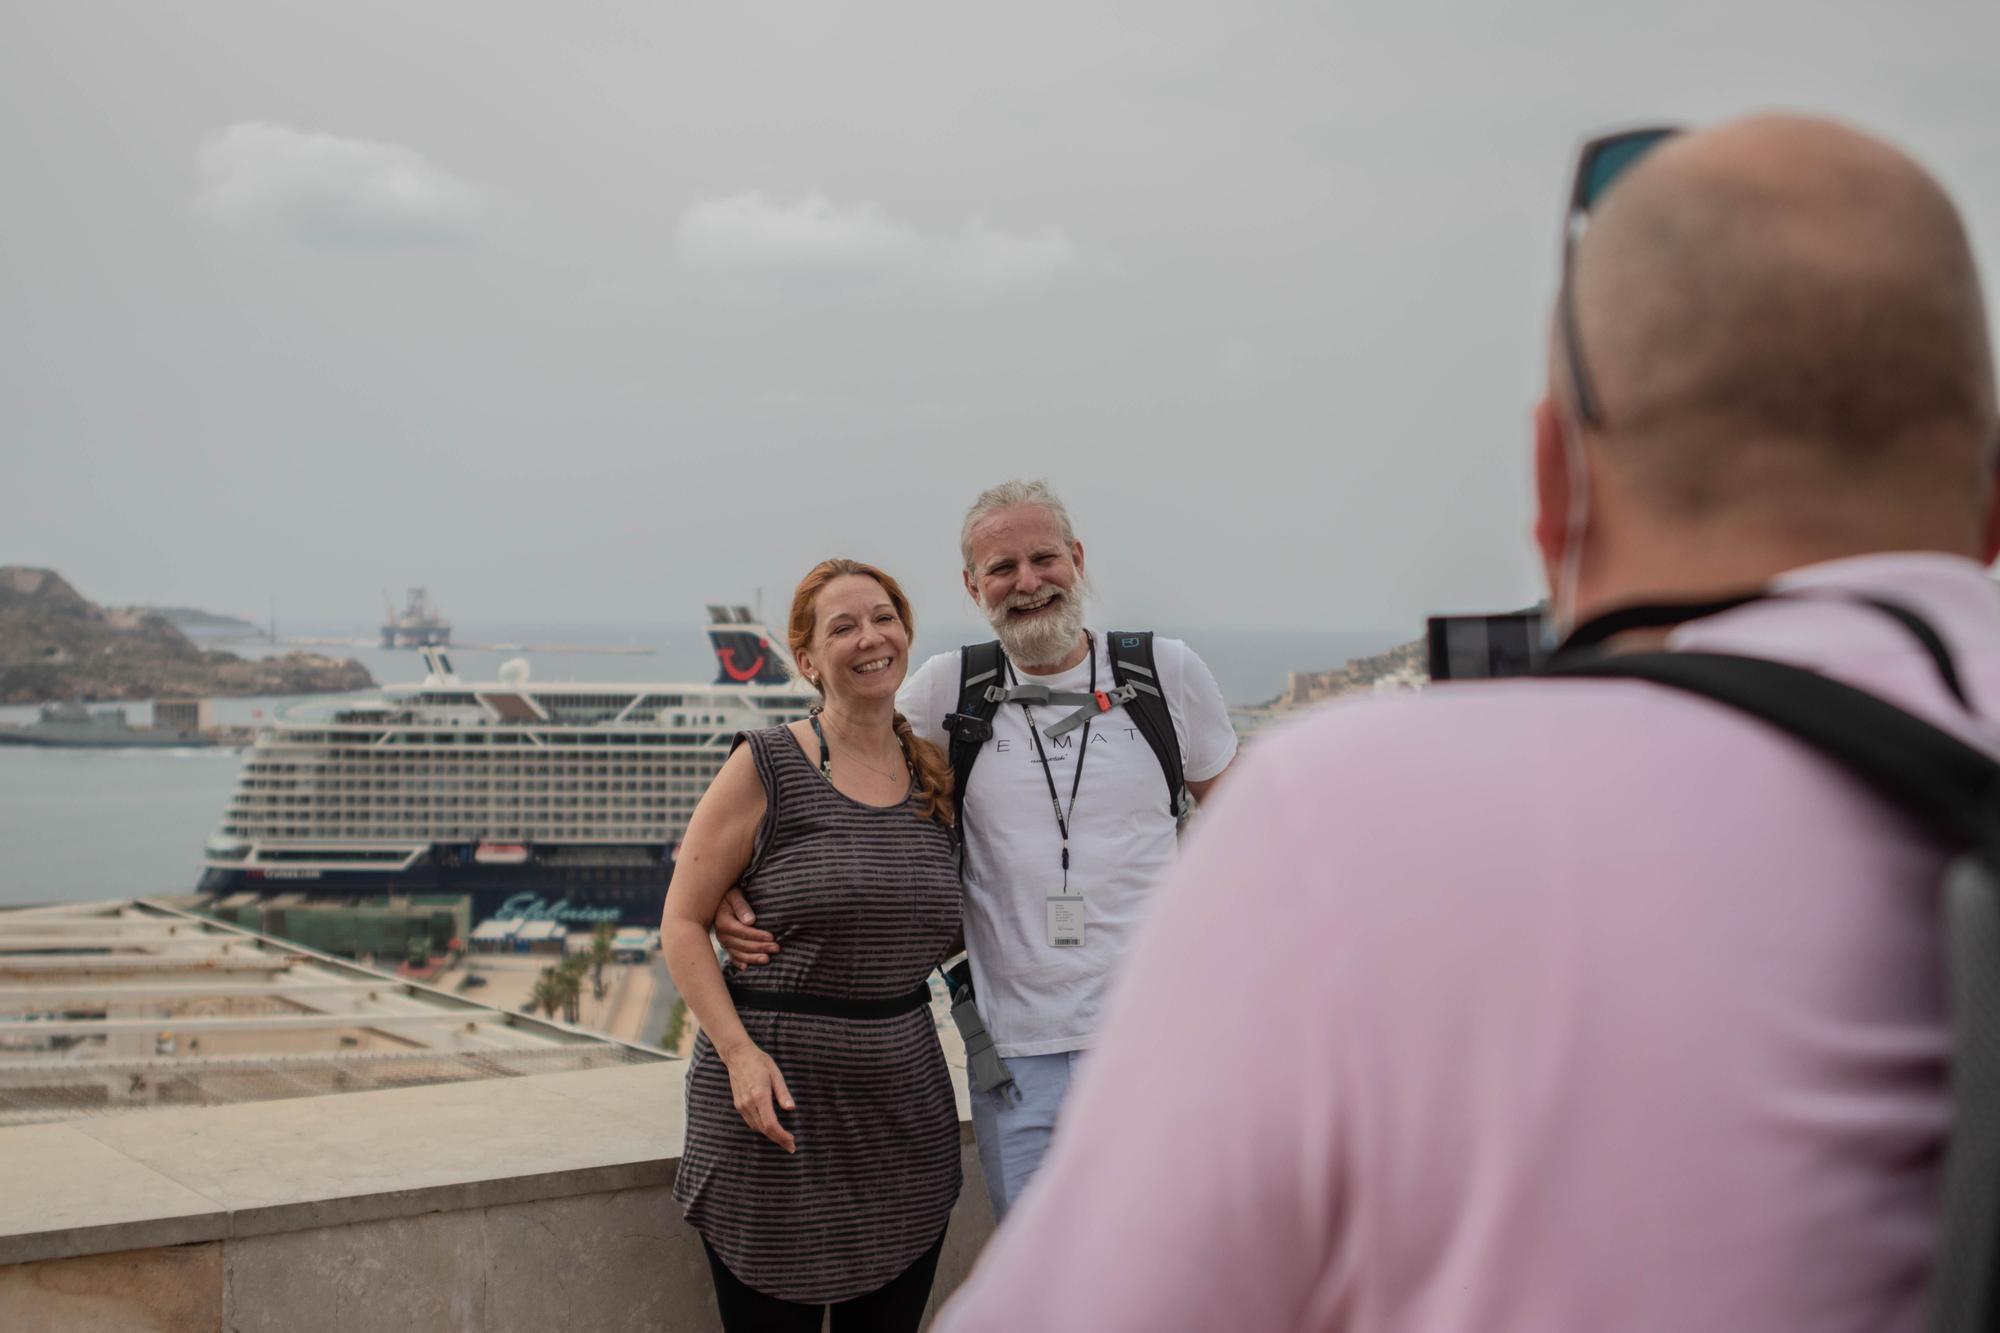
(1600, 163)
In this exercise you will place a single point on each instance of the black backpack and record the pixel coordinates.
(1955, 790)
(1135, 683)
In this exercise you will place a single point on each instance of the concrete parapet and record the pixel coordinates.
(134, 1291)
(513, 1204)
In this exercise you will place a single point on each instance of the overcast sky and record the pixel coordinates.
(589, 311)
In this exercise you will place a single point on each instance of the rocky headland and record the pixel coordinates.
(194, 618)
(57, 644)
(1400, 668)
(1394, 669)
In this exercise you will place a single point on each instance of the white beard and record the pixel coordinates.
(1045, 639)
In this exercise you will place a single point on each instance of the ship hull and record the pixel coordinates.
(576, 896)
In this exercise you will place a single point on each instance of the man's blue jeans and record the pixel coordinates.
(1013, 1125)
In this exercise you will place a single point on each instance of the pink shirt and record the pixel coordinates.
(1528, 1005)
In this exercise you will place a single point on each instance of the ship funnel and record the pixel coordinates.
(745, 652)
(437, 667)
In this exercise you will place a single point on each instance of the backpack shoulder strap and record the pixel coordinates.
(1955, 789)
(971, 723)
(1965, 1281)
(1132, 664)
(1929, 772)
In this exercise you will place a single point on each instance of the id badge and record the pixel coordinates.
(1065, 920)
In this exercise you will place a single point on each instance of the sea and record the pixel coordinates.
(84, 825)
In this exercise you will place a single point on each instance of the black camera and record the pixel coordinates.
(1472, 647)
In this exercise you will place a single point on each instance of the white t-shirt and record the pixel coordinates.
(1036, 998)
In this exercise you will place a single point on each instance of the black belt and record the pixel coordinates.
(796, 1002)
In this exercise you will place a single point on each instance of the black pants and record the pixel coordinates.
(895, 1307)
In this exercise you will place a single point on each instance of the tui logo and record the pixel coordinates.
(728, 658)
(745, 659)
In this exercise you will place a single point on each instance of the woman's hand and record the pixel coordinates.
(759, 1092)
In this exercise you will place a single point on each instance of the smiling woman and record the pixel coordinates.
(837, 832)
(850, 632)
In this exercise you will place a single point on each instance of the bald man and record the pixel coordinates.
(1596, 1006)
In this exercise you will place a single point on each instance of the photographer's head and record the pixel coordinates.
(1787, 361)
(1024, 571)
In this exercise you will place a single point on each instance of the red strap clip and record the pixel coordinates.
(1103, 702)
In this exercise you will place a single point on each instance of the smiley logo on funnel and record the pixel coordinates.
(745, 659)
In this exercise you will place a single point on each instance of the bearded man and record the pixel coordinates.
(1065, 834)
(1042, 1000)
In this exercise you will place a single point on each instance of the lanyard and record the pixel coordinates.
(1083, 752)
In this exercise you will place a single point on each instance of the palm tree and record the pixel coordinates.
(547, 994)
(569, 984)
(599, 955)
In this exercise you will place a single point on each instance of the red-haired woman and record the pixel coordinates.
(822, 1155)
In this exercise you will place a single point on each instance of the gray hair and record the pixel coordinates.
(1005, 496)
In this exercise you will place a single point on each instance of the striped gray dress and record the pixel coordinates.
(864, 901)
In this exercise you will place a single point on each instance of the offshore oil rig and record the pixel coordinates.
(418, 625)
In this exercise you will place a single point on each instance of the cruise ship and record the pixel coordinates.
(548, 802)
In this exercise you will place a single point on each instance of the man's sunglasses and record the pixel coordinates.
(1601, 162)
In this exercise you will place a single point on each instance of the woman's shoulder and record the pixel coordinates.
(764, 738)
(772, 747)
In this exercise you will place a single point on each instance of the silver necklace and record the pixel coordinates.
(892, 775)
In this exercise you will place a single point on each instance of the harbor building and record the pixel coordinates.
(134, 1006)
(187, 717)
(390, 930)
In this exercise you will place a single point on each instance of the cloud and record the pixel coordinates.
(989, 260)
(324, 191)
(750, 242)
(745, 233)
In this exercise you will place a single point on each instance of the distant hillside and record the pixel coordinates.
(57, 644)
(191, 617)
(1401, 667)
